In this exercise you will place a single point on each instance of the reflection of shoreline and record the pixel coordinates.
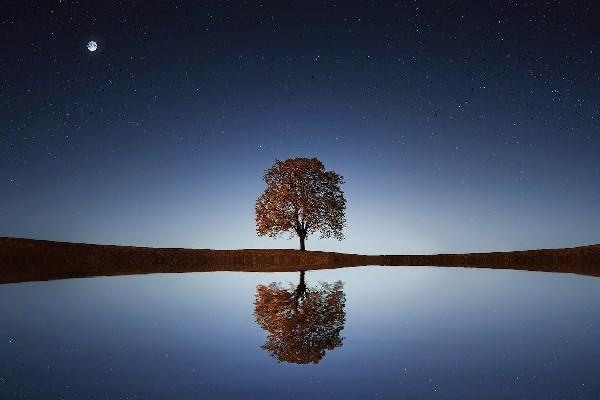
(301, 322)
(24, 260)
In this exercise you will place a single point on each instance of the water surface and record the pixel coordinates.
(365, 332)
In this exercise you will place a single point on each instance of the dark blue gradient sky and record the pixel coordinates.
(469, 127)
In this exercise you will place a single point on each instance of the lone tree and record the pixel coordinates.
(301, 198)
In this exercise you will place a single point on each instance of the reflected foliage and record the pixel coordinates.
(302, 322)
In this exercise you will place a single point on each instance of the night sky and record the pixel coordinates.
(466, 127)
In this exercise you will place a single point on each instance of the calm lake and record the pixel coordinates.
(353, 333)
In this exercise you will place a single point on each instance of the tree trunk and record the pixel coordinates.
(302, 237)
(301, 289)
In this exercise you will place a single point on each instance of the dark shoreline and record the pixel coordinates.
(24, 260)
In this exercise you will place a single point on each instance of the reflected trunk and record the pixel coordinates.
(301, 288)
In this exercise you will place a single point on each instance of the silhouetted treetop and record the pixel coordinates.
(301, 198)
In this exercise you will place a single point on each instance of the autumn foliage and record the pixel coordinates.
(302, 324)
(301, 198)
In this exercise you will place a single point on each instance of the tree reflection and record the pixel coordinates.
(302, 323)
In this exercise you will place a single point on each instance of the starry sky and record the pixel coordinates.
(471, 126)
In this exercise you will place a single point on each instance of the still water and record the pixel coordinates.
(354, 333)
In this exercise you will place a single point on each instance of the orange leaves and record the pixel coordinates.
(301, 198)
(302, 323)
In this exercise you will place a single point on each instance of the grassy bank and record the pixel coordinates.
(33, 260)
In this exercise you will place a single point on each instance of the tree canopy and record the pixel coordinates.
(301, 198)
(302, 323)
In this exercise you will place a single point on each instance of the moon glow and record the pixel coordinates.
(92, 46)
